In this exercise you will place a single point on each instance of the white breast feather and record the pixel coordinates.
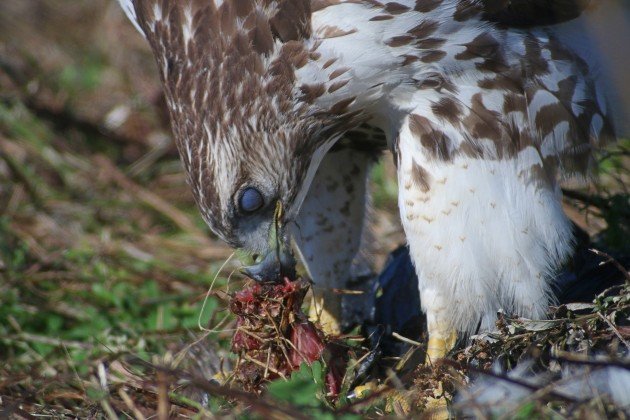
(482, 235)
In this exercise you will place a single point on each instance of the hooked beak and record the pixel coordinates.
(278, 263)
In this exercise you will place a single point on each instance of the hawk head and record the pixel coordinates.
(249, 147)
(249, 182)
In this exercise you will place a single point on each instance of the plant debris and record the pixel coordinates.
(547, 361)
(274, 336)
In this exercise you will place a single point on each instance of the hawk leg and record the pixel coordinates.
(442, 335)
(442, 338)
(329, 229)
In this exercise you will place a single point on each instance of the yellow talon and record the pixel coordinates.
(439, 345)
(325, 309)
(436, 409)
(364, 390)
(396, 401)
(442, 339)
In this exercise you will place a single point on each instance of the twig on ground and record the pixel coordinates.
(406, 340)
(21, 176)
(57, 342)
(257, 404)
(130, 404)
(616, 263)
(580, 359)
(505, 378)
(162, 393)
(614, 329)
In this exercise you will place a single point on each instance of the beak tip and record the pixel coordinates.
(251, 272)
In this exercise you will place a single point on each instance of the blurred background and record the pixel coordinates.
(102, 252)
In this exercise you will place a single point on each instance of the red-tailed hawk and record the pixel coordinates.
(280, 107)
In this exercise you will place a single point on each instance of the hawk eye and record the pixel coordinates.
(251, 200)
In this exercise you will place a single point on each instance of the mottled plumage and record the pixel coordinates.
(484, 109)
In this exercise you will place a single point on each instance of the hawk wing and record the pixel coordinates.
(487, 91)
